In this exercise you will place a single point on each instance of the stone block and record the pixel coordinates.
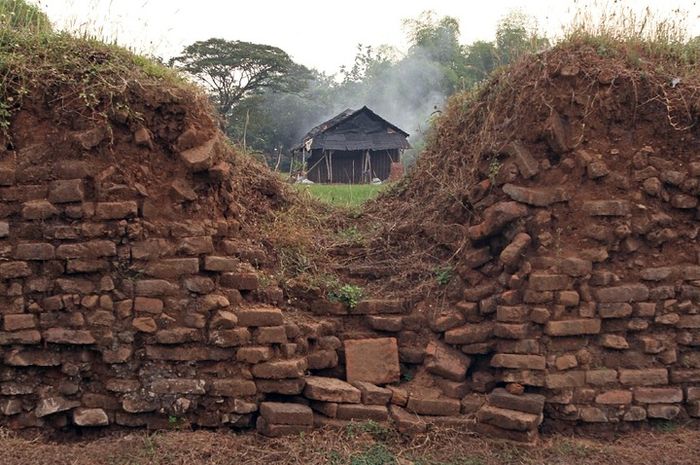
(172, 267)
(538, 197)
(38, 210)
(178, 386)
(528, 403)
(373, 394)
(432, 406)
(26, 337)
(286, 413)
(68, 336)
(232, 388)
(372, 360)
(527, 362)
(243, 281)
(66, 191)
(607, 208)
(13, 270)
(254, 354)
(508, 419)
(644, 377)
(115, 210)
(90, 417)
(573, 327)
(275, 430)
(615, 397)
(260, 316)
(445, 361)
(470, 333)
(669, 395)
(330, 390)
(540, 281)
(280, 369)
(18, 321)
(221, 264)
(362, 412)
(51, 405)
(623, 293)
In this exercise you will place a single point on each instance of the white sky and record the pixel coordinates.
(318, 33)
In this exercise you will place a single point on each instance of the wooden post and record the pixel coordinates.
(330, 166)
(369, 167)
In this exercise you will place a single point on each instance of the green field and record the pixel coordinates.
(342, 195)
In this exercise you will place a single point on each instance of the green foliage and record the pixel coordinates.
(233, 70)
(22, 16)
(665, 426)
(371, 427)
(443, 274)
(348, 294)
(376, 454)
(342, 195)
(494, 168)
(351, 234)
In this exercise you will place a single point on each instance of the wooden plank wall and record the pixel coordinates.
(347, 166)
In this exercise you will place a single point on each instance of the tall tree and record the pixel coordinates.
(233, 70)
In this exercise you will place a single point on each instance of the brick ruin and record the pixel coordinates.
(132, 296)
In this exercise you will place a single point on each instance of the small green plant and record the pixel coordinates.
(348, 294)
(350, 234)
(665, 426)
(443, 274)
(371, 427)
(377, 454)
(494, 168)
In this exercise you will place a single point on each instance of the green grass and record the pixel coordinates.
(342, 195)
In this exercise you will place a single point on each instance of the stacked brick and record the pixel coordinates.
(115, 313)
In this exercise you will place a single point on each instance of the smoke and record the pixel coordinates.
(406, 93)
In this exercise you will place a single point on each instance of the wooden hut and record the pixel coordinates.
(354, 147)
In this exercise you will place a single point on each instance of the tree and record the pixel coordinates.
(233, 70)
(437, 40)
(516, 34)
(19, 15)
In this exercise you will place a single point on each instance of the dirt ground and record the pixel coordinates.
(356, 444)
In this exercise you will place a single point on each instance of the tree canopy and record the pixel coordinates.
(233, 70)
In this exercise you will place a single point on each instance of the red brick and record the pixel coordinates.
(616, 397)
(508, 419)
(444, 361)
(280, 369)
(572, 327)
(68, 336)
(646, 377)
(372, 360)
(90, 249)
(66, 191)
(330, 390)
(286, 413)
(670, 395)
(260, 316)
(115, 210)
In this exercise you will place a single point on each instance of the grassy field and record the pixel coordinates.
(342, 195)
(357, 444)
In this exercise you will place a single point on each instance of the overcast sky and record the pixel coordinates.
(318, 33)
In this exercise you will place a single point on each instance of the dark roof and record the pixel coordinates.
(360, 129)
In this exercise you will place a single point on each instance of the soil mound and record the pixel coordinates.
(547, 240)
(577, 123)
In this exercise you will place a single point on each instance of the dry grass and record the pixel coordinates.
(354, 446)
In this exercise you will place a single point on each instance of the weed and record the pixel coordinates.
(351, 234)
(377, 454)
(443, 274)
(665, 426)
(494, 168)
(348, 294)
(371, 427)
(569, 448)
